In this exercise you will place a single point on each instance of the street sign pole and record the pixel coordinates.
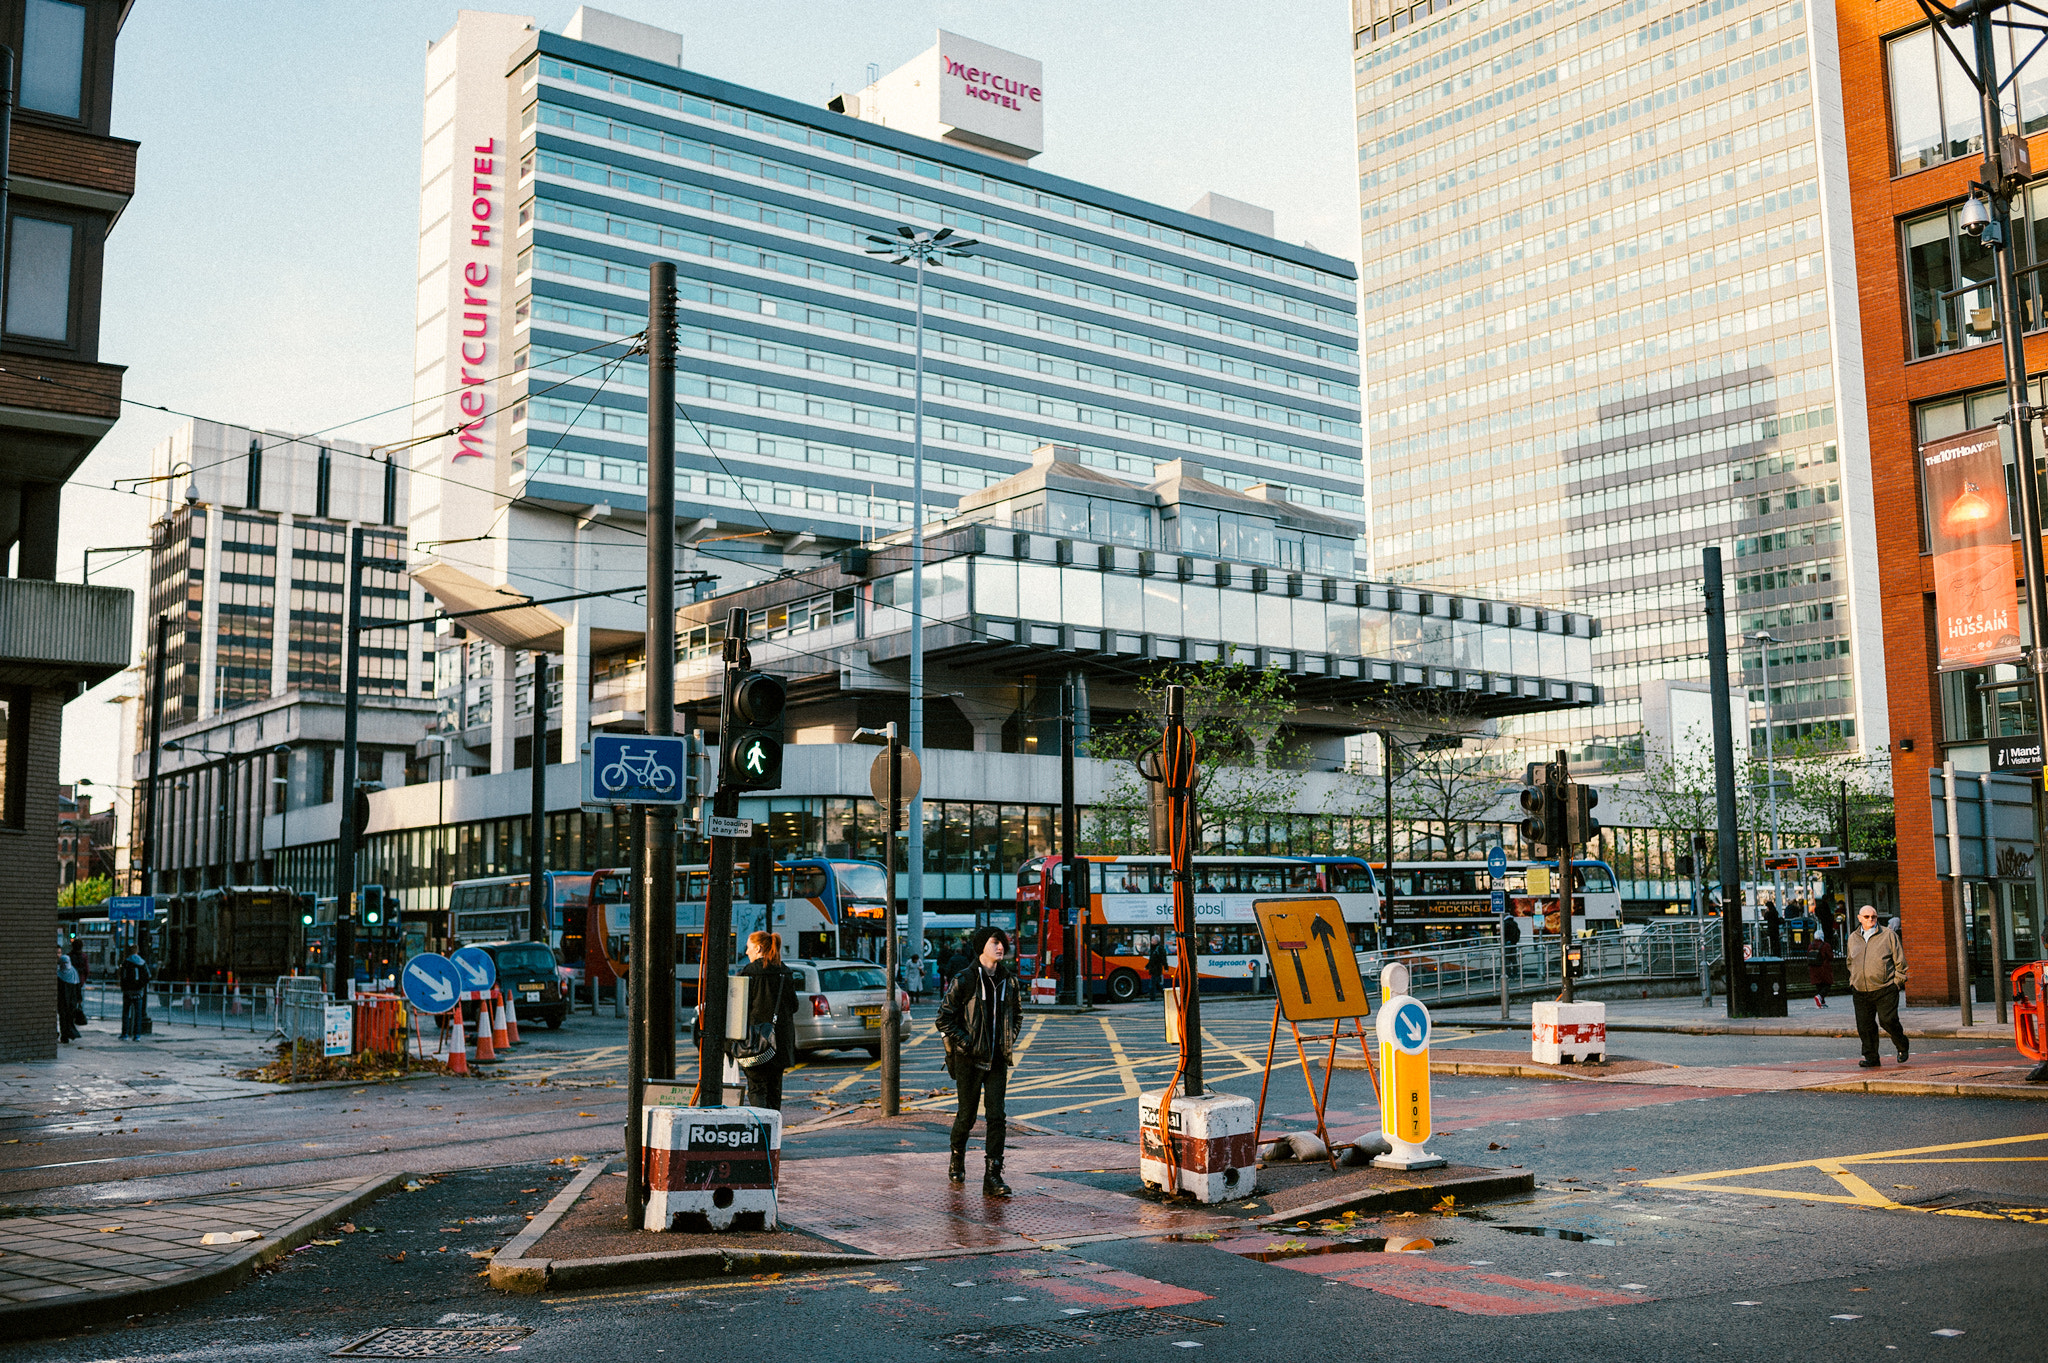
(1724, 779)
(1561, 773)
(892, 1013)
(345, 843)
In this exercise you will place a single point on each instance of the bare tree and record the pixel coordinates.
(1247, 762)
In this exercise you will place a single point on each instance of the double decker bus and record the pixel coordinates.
(819, 907)
(1445, 901)
(499, 908)
(1130, 906)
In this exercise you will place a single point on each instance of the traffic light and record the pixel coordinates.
(750, 743)
(370, 900)
(1544, 824)
(1581, 800)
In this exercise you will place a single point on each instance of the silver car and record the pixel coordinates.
(840, 1005)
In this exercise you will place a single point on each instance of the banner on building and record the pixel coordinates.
(1970, 530)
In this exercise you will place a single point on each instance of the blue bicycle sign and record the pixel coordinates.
(637, 769)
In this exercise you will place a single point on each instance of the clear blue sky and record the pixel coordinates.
(263, 273)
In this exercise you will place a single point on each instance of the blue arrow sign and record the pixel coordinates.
(1408, 1028)
(430, 982)
(475, 968)
(638, 769)
(131, 908)
(1496, 861)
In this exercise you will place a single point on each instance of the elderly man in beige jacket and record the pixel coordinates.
(1877, 974)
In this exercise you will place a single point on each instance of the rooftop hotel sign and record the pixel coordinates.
(990, 98)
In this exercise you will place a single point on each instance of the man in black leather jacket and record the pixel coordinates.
(979, 1020)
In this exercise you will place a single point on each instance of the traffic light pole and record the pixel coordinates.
(1724, 779)
(1177, 765)
(345, 843)
(717, 952)
(661, 666)
(1072, 909)
(536, 838)
(1561, 777)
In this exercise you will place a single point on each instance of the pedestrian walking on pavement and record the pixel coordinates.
(1877, 975)
(79, 961)
(771, 1001)
(956, 963)
(979, 1021)
(135, 979)
(67, 998)
(1821, 965)
(1155, 963)
(1773, 920)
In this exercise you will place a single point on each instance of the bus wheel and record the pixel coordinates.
(1123, 986)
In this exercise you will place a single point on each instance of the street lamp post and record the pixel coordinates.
(284, 807)
(2006, 170)
(909, 245)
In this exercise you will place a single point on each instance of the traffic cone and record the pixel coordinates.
(512, 1019)
(499, 1038)
(486, 1053)
(458, 1049)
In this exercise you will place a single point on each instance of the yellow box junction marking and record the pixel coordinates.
(1856, 1192)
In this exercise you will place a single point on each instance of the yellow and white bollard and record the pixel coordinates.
(1403, 1030)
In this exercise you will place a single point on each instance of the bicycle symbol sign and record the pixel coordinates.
(637, 769)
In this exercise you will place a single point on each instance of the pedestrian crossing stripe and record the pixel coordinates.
(1856, 1191)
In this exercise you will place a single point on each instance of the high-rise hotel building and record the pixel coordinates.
(1609, 318)
(557, 166)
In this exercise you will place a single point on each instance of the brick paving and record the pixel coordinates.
(116, 1248)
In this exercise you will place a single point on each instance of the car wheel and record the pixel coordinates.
(556, 1019)
(874, 1052)
(1123, 986)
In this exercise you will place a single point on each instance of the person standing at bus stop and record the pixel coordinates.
(1155, 962)
(979, 1021)
(134, 996)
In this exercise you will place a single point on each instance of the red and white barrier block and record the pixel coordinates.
(711, 1168)
(1562, 1033)
(1214, 1145)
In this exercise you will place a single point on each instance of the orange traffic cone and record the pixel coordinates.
(512, 1020)
(499, 1038)
(458, 1048)
(486, 1053)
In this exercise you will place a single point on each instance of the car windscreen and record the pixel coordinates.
(840, 979)
(526, 956)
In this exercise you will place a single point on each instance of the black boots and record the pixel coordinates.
(992, 1184)
(956, 1167)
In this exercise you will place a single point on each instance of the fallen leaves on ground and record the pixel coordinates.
(397, 1258)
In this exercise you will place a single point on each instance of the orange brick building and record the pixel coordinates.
(1932, 368)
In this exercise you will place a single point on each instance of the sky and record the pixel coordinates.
(263, 274)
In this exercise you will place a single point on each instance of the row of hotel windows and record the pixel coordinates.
(697, 106)
(1490, 35)
(797, 177)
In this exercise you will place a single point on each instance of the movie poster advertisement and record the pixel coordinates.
(1970, 529)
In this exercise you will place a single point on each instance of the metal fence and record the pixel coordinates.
(1472, 973)
(253, 1008)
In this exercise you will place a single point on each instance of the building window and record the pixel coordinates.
(14, 705)
(39, 279)
(1942, 261)
(1936, 110)
(53, 57)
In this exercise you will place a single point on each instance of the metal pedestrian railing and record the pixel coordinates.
(1472, 973)
(177, 1003)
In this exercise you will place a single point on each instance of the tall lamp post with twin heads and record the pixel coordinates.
(913, 245)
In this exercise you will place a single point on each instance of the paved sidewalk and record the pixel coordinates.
(60, 1269)
(99, 1071)
(1687, 1016)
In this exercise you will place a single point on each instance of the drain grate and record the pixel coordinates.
(395, 1341)
(1009, 1339)
(1139, 1322)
